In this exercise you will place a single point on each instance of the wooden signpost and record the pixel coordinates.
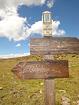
(49, 69)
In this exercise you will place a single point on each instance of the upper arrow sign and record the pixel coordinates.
(54, 45)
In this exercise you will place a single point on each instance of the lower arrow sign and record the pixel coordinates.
(42, 69)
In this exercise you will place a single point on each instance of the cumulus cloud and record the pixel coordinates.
(50, 3)
(18, 45)
(12, 26)
(16, 28)
(56, 31)
(15, 3)
(37, 28)
(33, 2)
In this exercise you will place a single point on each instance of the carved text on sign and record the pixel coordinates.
(54, 45)
(41, 69)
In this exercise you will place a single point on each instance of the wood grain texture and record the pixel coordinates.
(49, 90)
(54, 45)
(42, 69)
(49, 86)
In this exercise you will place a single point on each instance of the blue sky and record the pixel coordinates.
(66, 12)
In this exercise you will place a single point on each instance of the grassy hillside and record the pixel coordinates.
(31, 92)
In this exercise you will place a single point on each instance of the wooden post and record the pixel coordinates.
(49, 92)
(49, 86)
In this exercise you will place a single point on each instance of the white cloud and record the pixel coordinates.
(50, 3)
(12, 26)
(16, 28)
(37, 28)
(56, 31)
(32, 2)
(13, 55)
(15, 3)
(18, 45)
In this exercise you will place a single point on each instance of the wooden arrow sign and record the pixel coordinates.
(54, 45)
(42, 69)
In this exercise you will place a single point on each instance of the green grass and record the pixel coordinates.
(14, 91)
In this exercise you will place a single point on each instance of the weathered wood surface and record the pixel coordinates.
(54, 45)
(42, 69)
(49, 90)
(49, 86)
